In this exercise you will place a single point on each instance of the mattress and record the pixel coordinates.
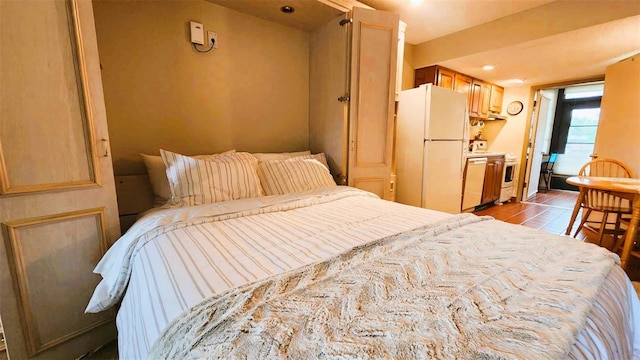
(172, 259)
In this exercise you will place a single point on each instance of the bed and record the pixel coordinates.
(324, 271)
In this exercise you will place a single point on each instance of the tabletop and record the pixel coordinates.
(627, 185)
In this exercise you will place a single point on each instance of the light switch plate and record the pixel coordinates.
(197, 33)
(214, 36)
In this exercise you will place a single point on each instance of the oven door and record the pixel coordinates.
(509, 170)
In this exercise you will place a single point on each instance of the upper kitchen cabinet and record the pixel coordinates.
(497, 93)
(462, 83)
(480, 99)
(484, 98)
(352, 80)
(436, 75)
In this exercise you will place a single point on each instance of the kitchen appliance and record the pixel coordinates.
(474, 182)
(479, 146)
(431, 144)
(508, 177)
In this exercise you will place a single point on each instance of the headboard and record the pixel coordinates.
(134, 197)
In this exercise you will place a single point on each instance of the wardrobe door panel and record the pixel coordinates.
(58, 210)
(373, 64)
(46, 122)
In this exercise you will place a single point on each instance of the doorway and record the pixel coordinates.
(565, 122)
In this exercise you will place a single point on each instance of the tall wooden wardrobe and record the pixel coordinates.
(57, 199)
(352, 80)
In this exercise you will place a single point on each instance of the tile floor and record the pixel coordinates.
(549, 211)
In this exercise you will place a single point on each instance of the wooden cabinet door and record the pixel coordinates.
(57, 198)
(485, 99)
(462, 83)
(497, 93)
(499, 169)
(480, 97)
(489, 182)
(445, 78)
(373, 75)
(492, 179)
(476, 99)
(421, 76)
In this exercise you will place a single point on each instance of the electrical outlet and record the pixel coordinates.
(212, 36)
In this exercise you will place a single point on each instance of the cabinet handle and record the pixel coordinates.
(345, 98)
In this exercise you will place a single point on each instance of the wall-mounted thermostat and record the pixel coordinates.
(197, 33)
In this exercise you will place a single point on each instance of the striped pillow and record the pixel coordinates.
(158, 175)
(320, 157)
(293, 175)
(196, 181)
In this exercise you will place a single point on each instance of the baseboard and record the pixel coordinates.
(559, 182)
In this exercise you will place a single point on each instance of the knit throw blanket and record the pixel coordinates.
(464, 288)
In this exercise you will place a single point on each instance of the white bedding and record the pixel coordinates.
(174, 266)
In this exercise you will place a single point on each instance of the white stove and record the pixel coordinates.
(509, 177)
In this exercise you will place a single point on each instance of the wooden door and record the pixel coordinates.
(618, 128)
(57, 199)
(373, 74)
(542, 117)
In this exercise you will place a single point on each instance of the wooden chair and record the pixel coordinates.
(604, 201)
(546, 170)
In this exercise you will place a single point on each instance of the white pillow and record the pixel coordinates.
(158, 175)
(320, 157)
(279, 156)
(194, 182)
(293, 175)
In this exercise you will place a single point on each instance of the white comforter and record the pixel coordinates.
(174, 258)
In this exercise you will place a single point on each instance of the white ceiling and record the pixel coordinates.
(542, 59)
(577, 54)
(308, 14)
(435, 18)
(572, 55)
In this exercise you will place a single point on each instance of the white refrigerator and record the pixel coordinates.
(432, 136)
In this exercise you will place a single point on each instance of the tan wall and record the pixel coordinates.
(408, 71)
(252, 93)
(508, 135)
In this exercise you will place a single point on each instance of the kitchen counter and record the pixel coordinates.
(483, 154)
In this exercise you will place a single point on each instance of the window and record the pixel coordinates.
(576, 125)
(582, 131)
